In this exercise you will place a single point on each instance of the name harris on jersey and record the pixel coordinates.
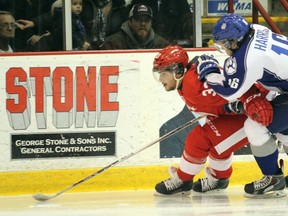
(261, 39)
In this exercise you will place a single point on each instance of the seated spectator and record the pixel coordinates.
(172, 20)
(7, 31)
(103, 18)
(136, 32)
(79, 41)
(53, 40)
(78, 31)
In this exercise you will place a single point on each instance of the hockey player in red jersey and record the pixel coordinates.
(216, 140)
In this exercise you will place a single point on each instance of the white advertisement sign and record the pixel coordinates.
(242, 7)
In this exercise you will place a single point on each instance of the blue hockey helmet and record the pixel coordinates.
(231, 27)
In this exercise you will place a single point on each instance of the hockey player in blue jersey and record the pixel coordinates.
(256, 55)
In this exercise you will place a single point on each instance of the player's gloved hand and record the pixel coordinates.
(206, 64)
(234, 107)
(257, 107)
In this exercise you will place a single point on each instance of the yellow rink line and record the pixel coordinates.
(116, 178)
(212, 20)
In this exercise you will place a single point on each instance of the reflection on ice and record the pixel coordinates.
(142, 202)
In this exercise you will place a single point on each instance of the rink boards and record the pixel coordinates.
(66, 115)
(117, 178)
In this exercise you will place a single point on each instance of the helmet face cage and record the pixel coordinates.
(231, 27)
(173, 68)
(223, 45)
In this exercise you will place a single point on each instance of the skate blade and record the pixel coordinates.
(216, 191)
(273, 194)
(179, 194)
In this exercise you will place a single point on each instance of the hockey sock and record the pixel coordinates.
(268, 164)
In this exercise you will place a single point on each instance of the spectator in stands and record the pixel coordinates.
(136, 32)
(52, 39)
(78, 31)
(172, 20)
(103, 18)
(7, 31)
(79, 40)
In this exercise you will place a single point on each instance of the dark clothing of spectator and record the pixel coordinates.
(78, 32)
(97, 26)
(172, 19)
(29, 10)
(124, 39)
(54, 40)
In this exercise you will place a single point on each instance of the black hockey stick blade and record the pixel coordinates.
(43, 197)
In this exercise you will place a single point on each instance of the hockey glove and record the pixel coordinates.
(257, 107)
(206, 65)
(234, 107)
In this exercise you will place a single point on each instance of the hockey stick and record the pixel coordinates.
(43, 197)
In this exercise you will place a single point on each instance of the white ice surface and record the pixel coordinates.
(143, 203)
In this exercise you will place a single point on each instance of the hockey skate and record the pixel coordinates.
(210, 183)
(268, 186)
(173, 185)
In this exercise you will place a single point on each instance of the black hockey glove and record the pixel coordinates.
(234, 107)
